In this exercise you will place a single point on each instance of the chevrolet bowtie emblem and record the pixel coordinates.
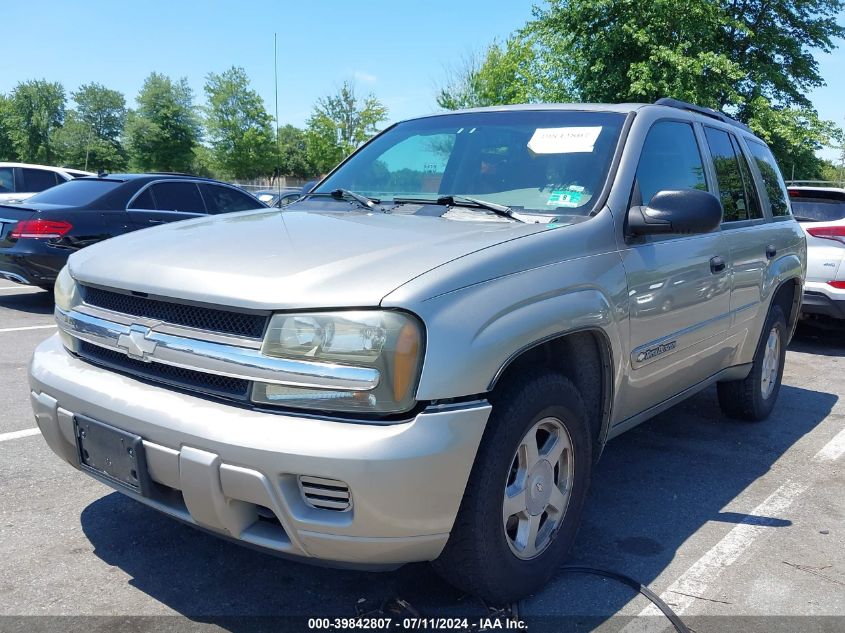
(136, 344)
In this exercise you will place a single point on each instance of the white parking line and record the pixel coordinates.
(17, 434)
(20, 288)
(27, 327)
(696, 581)
(834, 449)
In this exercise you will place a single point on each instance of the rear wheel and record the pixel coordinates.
(754, 397)
(523, 502)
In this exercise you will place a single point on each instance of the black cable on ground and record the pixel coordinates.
(673, 617)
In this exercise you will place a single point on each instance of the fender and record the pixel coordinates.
(472, 336)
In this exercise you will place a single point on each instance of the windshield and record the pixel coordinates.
(547, 162)
(75, 193)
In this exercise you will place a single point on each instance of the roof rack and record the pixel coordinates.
(709, 112)
(171, 173)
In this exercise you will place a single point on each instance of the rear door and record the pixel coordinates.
(166, 201)
(744, 225)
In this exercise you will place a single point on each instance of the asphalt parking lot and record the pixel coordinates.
(736, 526)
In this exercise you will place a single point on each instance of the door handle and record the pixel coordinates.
(771, 251)
(156, 221)
(717, 264)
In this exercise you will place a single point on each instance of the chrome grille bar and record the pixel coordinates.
(148, 345)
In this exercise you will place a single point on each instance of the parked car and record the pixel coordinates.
(820, 209)
(19, 181)
(38, 235)
(279, 198)
(422, 358)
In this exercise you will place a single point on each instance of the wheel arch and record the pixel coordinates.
(788, 295)
(585, 356)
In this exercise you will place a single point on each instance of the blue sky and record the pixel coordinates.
(397, 49)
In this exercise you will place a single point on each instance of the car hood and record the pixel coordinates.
(275, 259)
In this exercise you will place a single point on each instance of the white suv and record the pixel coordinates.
(820, 209)
(19, 181)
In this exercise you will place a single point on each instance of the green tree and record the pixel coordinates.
(293, 153)
(339, 124)
(163, 131)
(239, 129)
(504, 74)
(7, 145)
(90, 136)
(833, 171)
(203, 162)
(752, 59)
(37, 110)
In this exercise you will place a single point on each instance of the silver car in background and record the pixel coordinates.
(422, 358)
(820, 209)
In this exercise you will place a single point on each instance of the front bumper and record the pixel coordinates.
(222, 467)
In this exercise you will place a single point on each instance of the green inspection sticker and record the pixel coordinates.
(565, 198)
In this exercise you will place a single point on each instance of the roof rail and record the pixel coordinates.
(709, 112)
(171, 173)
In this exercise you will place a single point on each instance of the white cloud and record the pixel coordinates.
(364, 77)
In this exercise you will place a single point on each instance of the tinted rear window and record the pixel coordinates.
(39, 179)
(817, 209)
(75, 192)
(7, 180)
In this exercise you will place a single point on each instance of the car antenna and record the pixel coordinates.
(102, 174)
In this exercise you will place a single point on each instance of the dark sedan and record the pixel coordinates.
(38, 235)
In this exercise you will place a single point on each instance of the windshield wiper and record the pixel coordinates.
(801, 218)
(343, 194)
(465, 201)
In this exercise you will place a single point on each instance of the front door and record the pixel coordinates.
(678, 285)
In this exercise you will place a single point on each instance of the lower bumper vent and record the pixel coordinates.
(325, 494)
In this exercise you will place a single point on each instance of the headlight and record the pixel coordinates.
(65, 291)
(390, 342)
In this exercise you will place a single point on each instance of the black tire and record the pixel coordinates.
(477, 558)
(744, 399)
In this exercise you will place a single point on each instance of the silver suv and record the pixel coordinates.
(422, 358)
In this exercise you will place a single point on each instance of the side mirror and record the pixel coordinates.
(685, 211)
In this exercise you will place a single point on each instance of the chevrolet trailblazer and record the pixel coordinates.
(422, 358)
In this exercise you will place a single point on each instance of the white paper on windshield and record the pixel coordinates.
(564, 140)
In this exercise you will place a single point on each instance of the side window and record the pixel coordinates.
(735, 191)
(226, 200)
(772, 179)
(178, 196)
(670, 161)
(144, 200)
(755, 209)
(35, 180)
(7, 180)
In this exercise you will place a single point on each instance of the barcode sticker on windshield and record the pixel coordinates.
(563, 140)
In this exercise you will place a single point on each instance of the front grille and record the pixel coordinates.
(210, 319)
(167, 374)
(325, 494)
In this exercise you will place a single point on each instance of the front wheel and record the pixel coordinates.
(754, 397)
(524, 498)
